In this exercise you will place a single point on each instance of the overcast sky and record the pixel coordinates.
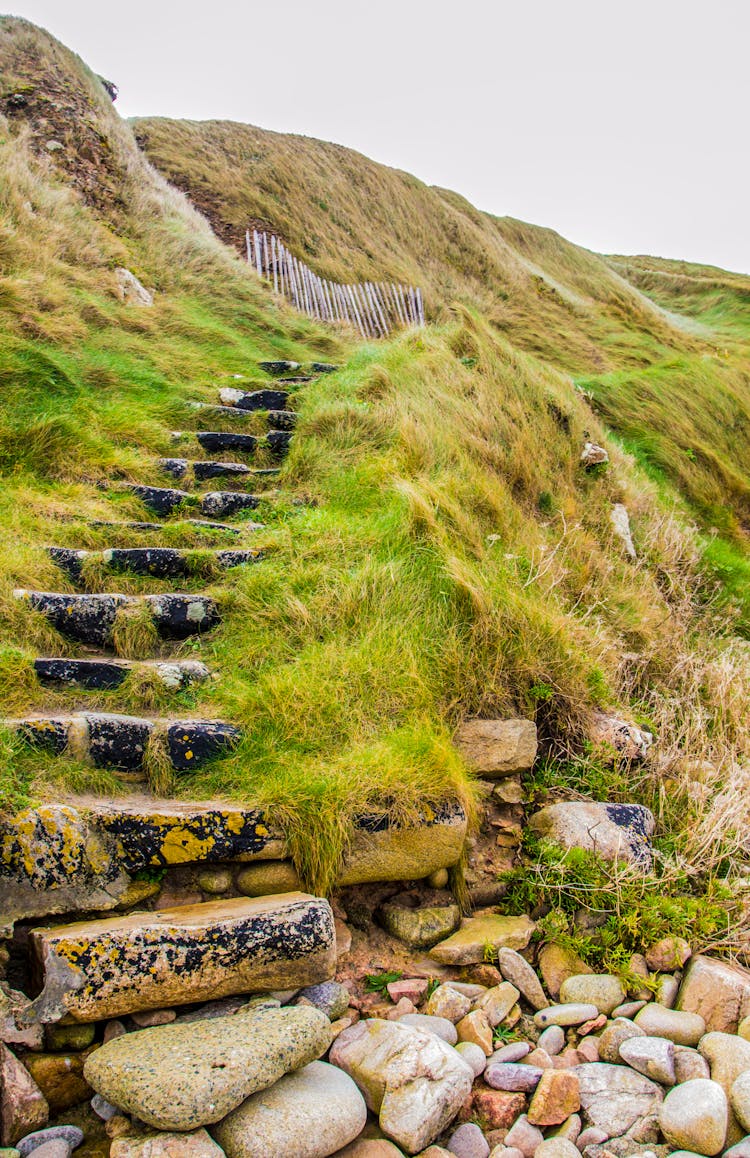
(624, 125)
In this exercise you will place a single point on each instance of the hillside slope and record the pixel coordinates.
(434, 548)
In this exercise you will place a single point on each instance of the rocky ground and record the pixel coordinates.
(488, 1045)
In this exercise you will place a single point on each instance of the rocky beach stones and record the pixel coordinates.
(694, 1116)
(614, 1097)
(181, 1076)
(413, 1080)
(310, 1114)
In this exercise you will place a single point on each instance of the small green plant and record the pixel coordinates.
(546, 503)
(379, 982)
(503, 1034)
(432, 985)
(489, 953)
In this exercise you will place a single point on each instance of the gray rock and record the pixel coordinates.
(517, 970)
(473, 1055)
(615, 1097)
(613, 831)
(680, 1027)
(740, 1098)
(689, 1064)
(498, 1001)
(599, 989)
(220, 1063)
(613, 1036)
(552, 1040)
(557, 1148)
(740, 1149)
(694, 1116)
(102, 1108)
(56, 1148)
(330, 997)
(592, 1136)
(70, 1135)
(629, 1009)
(440, 1026)
(514, 1051)
(652, 1056)
(524, 1137)
(573, 1013)
(512, 1076)
(310, 1113)
(468, 1141)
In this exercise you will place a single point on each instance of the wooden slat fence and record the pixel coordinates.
(375, 308)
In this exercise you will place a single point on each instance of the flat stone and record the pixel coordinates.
(512, 1076)
(440, 1026)
(475, 1027)
(652, 1056)
(694, 1116)
(415, 1082)
(60, 1078)
(613, 831)
(555, 1099)
(615, 1097)
(23, 1108)
(468, 1141)
(447, 1002)
(223, 504)
(221, 1062)
(517, 970)
(512, 1052)
(161, 500)
(555, 964)
(628, 1009)
(101, 969)
(71, 1136)
(217, 440)
(679, 1026)
(498, 748)
(382, 850)
(599, 989)
(419, 927)
(567, 1013)
(412, 987)
(310, 1113)
(497, 1002)
(330, 997)
(152, 1017)
(716, 990)
(469, 945)
(614, 1035)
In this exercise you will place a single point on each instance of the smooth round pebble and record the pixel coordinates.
(552, 1040)
(468, 1141)
(512, 1052)
(740, 1149)
(613, 1036)
(512, 1076)
(557, 1148)
(524, 1137)
(503, 1151)
(678, 1025)
(567, 1013)
(739, 1096)
(69, 1134)
(666, 991)
(599, 989)
(440, 1026)
(592, 1136)
(629, 1009)
(689, 1065)
(473, 1055)
(694, 1116)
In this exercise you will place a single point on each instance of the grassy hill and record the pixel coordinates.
(435, 549)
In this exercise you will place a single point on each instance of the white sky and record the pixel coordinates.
(624, 125)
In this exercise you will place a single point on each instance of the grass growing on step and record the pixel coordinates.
(134, 635)
(157, 764)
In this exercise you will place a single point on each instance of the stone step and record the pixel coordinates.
(198, 524)
(161, 500)
(91, 618)
(108, 740)
(107, 968)
(226, 503)
(256, 400)
(324, 367)
(215, 440)
(180, 468)
(161, 562)
(278, 441)
(282, 419)
(104, 674)
(214, 504)
(280, 367)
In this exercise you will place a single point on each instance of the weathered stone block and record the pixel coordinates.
(613, 831)
(498, 748)
(216, 440)
(383, 851)
(481, 934)
(101, 969)
(161, 500)
(220, 504)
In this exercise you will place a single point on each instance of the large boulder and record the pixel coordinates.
(613, 831)
(718, 991)
(498, 748)
(310, 1114)
(413, 1080)
(185, 1075)
(102, 969)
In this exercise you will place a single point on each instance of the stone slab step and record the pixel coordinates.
(108, 740)
(216, 440)
(280, 367)
(199, 524)
(161, 562)
(255, 400)
(278, 441)
(114, 966)
(104, 674)
(282, 419)
(214, 504)
(181, 468)
(324, 367)
(91, 618)
(161, 500)
(223, 504)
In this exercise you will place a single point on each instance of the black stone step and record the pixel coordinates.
(202, 470)
(120, 742)
(104, 674)
(278, 441)
(199, 524)
(161, 500)
(232, 412)
(161, 562)
(214, 440)
(226, 503)
(282, 419)
(256, 400)
(280, 367)
(324, 367)
(91, 618)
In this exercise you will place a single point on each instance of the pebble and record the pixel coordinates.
(591, 1136)
(613, 1037)
(403, 1006)
(512, 1052)
(70, 1135)
(557, 1148)
(680, 1027)
(447, 1002)
(743, 1030)
(667, 954)
(412, 987)
(517, 970)
(694, 1117)
(476, 1027)
(688, 1065)
(151, 1017)
(570, 1129)
(102, 1108)
(502, 1151)
(440, 1026)
(601, 990)
(629, 1009)
(57, 1148)
(473, 1055)
(524, 1137)
(113, 1029)
(552, 1040)
(468, 1141)
(740, 1099)
(567, 1013)
(512, 1076)
(556, 1098)
(666, 991)
(741, 1149)
(61, 1037)
(588, 1049)
(652, 1056)
(615, 1097)
(539, 1057)
(472, 991)
(497, 1002)
(330, 997)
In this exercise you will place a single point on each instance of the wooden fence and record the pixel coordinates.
(375, 308)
